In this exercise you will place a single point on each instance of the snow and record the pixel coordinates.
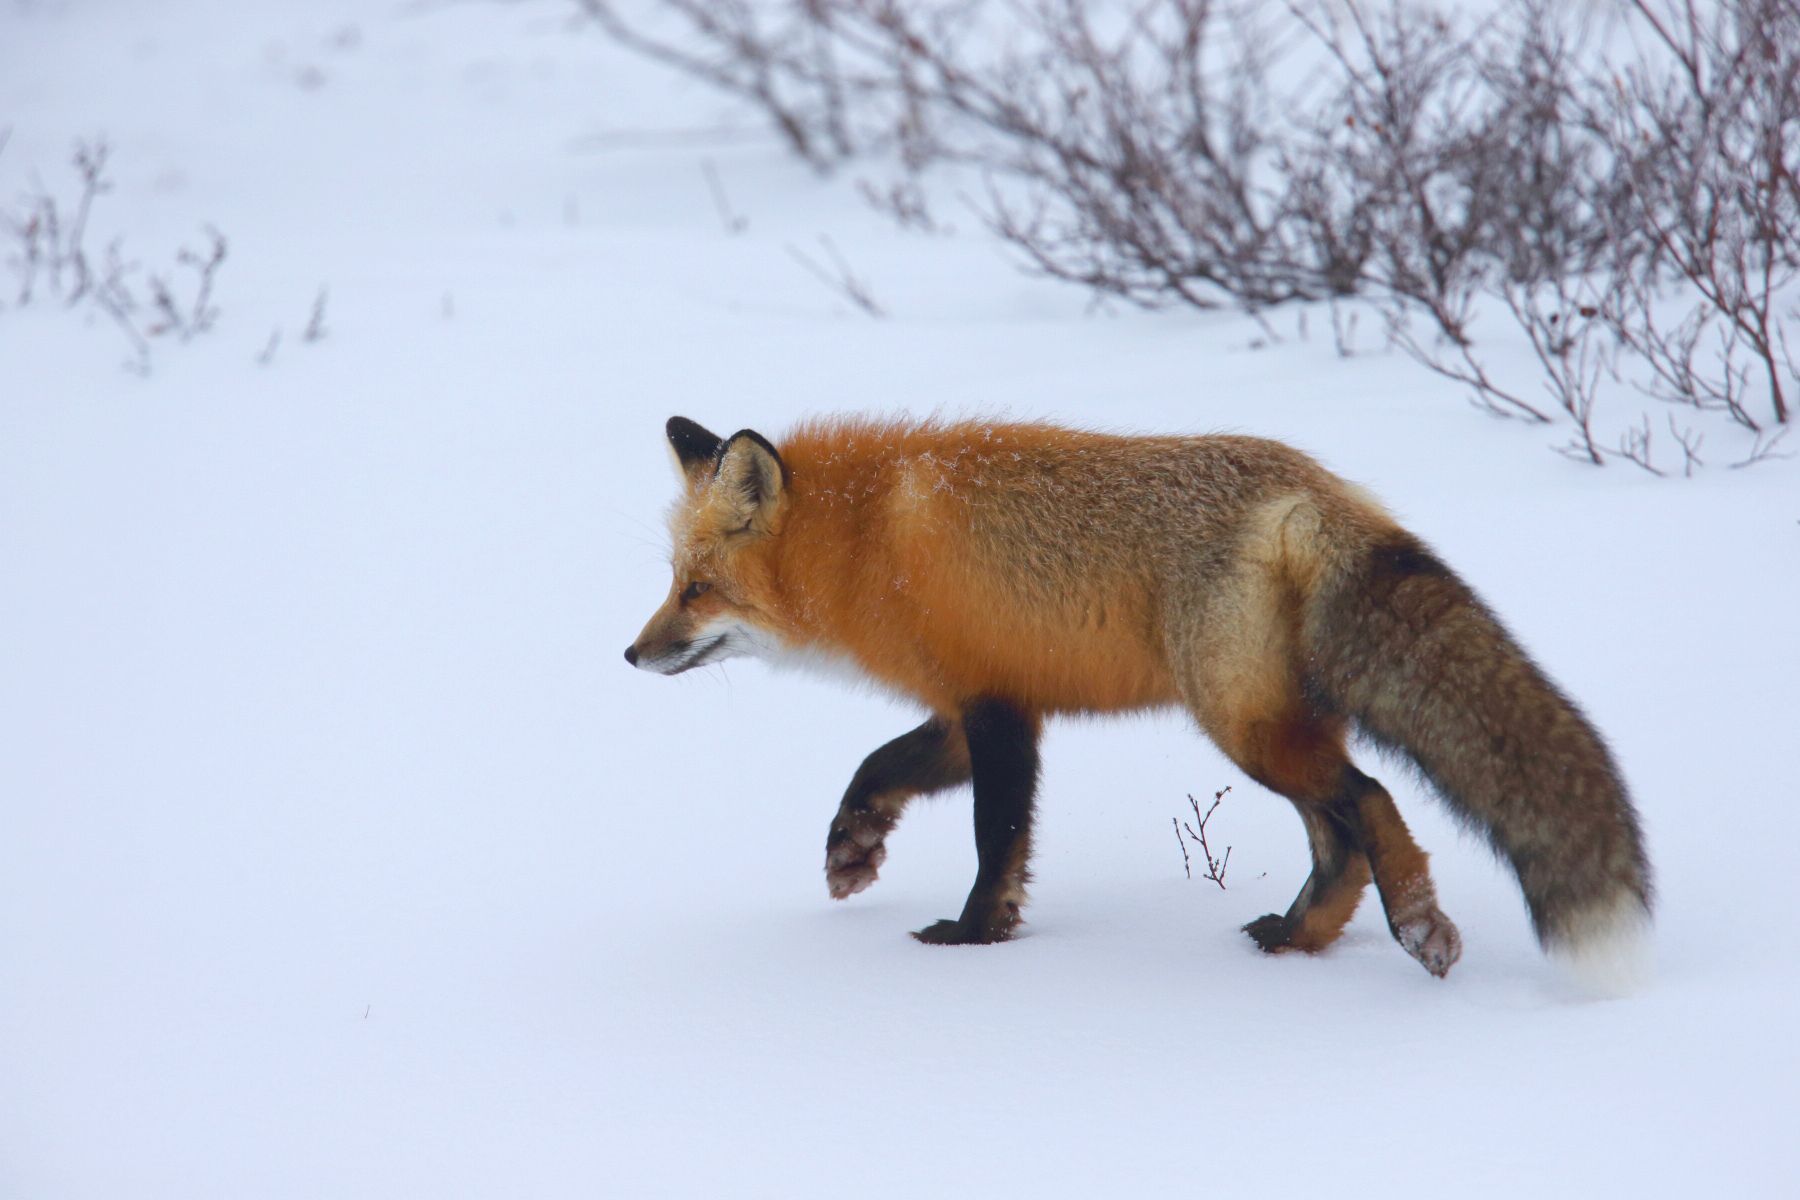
(342, 854)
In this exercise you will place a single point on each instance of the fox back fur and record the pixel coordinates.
(1002, 573)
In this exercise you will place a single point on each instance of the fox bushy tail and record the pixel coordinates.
(1412, 655)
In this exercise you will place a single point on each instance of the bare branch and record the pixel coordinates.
(733, 221)
(1196, 832)
(1438, 163)
(839, 278)
(51, 256)
(315, 323)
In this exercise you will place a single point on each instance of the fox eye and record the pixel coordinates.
(694, 591)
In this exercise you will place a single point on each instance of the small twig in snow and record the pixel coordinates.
(1215, 866)
(733, 221)
(315, 324)
(844, 282)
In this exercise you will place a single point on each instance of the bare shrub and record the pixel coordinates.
(1687, 189)
(194, 314)
(1709, 140)
(1578, 180)
(1385, 171)
(1136, 157)
(783, 56)
(52, 260)
(1454, 159)
(1522, 167)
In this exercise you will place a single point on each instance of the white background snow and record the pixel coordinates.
(342, 855)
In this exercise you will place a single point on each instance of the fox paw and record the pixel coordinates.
(970, 933)
(1430, 937)
(853, 857)
(1272, 934)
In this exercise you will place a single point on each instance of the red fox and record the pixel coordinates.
(1000, 574)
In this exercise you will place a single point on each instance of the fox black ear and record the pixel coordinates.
(750, 481)
(695, 445)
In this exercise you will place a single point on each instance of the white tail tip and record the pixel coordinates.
(1605, 952)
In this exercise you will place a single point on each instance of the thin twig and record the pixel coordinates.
(1215, 867)
(841, 279)
(315, 324)
(734, 222)
(1763, 449)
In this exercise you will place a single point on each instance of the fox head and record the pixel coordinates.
(721, 601)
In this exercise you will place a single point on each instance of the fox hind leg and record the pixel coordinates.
(1401, 873)
(1356, 833)
(928, 759)
(1330, 895)
(1354, 829)
(1240, 665)
(1302, 757)
(1003, 757)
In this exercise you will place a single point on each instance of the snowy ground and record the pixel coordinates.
(341, 854)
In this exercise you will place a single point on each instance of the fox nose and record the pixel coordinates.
(631, 655)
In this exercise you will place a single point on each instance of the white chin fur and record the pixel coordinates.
(748, 641)
(1605, 953)
(839, 668)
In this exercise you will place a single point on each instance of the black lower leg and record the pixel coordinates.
(1329, 897)
(927, 759)
(1003, 758)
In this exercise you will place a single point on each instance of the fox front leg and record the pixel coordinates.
(1002, 740)
(929, 759)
